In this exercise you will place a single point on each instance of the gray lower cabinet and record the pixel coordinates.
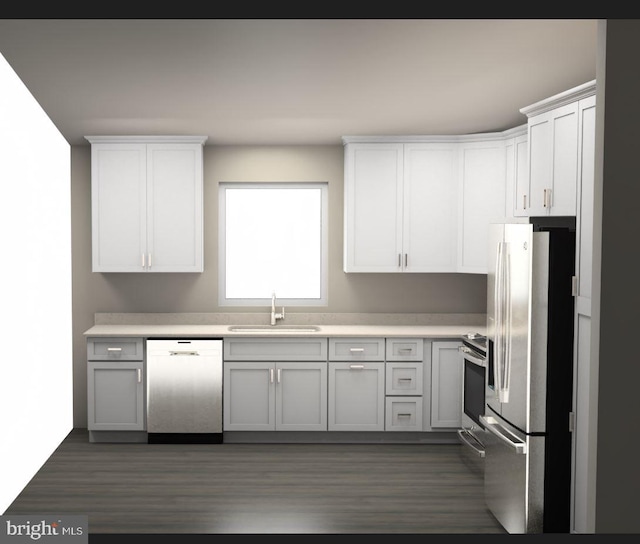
(115, 384)
(275, 384)
(446, 384)
(275, 396)
(356, 396)
(404, 387)
(115, 396)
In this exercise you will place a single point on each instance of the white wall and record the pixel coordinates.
(36, 399)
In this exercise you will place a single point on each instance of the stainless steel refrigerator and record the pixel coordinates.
(530, 374)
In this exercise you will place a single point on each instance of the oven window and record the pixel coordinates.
(474, 391)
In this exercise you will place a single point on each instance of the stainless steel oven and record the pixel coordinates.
(474, 369)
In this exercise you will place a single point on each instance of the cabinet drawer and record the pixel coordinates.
(404, 379)
(115, 349)
(404, 349)
(403, 414)
(275, 349)
(356, 349)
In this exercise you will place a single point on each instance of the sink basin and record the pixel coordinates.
(273, 328)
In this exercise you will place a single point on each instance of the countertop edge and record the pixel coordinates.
(222, 331)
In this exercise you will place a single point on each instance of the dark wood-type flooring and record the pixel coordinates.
(260, 488)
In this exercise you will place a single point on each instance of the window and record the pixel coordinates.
(273, 239)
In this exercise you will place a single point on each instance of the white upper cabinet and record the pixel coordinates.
(482, 200)
(517, 155)
(553, 126)
(400, 207)
(430, 208)
(422, 203)
(373, 207)
(146, 208)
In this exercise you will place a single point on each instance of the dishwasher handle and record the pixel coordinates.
(183, 352)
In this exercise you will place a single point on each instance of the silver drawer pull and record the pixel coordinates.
(356, 350)
(183, 352)
(405, 379)
(114, 349)
(139, 376)
(405, 350)
(404, 415)
(356, 367)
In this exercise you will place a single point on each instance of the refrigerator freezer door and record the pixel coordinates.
(514, 464)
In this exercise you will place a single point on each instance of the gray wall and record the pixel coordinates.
(348, 293)
(618, 469)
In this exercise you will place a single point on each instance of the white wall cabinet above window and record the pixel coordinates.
(146, 195)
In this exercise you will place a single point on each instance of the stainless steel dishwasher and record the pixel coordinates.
(184, 390)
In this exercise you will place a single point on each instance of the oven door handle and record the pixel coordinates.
(462, 433)
(471, 357)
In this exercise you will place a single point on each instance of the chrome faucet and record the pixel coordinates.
(275, 316)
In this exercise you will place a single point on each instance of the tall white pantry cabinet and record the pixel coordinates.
(146, 205)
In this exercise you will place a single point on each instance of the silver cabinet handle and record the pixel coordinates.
(399, 260)
(279, 374)
(356, 350)
(544, 199)
(143, 260)
(114, 349)
(149, 260)
(524, 202)
(463, 436)
(139, 375)
(406, 350)
(491, 425)
(271, 375)
(405, 379)
(404, 415)
(356, 367)
(406, 260)
(184, 352)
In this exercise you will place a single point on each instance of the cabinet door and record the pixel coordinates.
(518, 177)
(483, 198)
(249, 400)
(373, 207)
(118, 201)
(356, 396)
(446, 384)
(174, 207)
(301, 396)
(115, 396)
(430, 195)
(584, 371)
(553, 161)
(584, 218)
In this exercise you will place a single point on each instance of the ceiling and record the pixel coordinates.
(294, 81)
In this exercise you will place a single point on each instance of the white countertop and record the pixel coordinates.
(222, 331)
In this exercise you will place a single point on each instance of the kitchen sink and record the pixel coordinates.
(273, 328)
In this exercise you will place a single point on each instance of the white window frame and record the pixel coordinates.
(222, 241)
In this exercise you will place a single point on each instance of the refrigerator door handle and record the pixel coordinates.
(492, 425)
(497, 301)
(507, 322)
